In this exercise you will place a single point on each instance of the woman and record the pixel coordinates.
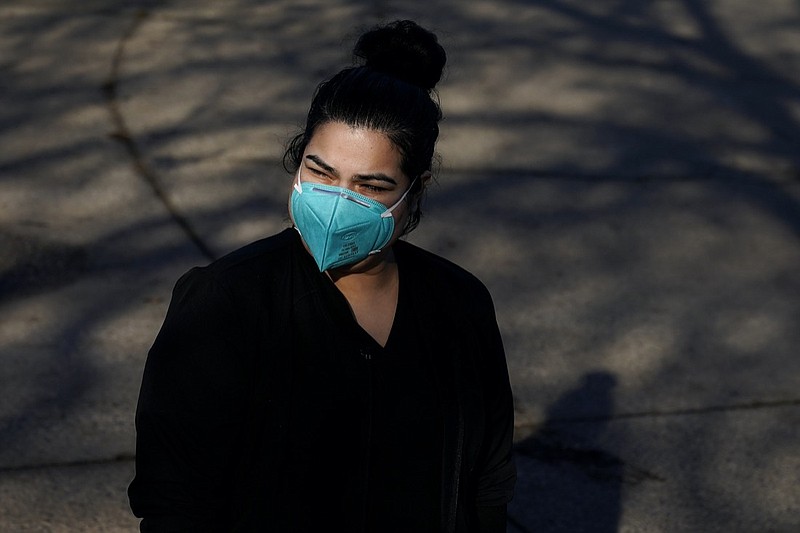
(333, 377)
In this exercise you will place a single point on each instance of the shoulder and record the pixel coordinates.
(244, 278)
(257, 256)
(440, 275)
(230, 294)
(253, 263)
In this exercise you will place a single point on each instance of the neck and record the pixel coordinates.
(371, 289)
(375, 274)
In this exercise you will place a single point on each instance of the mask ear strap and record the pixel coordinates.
(297, 186)
(388, 212)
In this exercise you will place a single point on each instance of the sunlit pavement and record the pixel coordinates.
(624, 176)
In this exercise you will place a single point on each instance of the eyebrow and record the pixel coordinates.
(377, 176)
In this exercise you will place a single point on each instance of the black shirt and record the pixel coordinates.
(230, 439)
(365, 435)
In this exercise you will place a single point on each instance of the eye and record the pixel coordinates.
(317, 173)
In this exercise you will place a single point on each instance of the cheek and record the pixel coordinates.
(289, 204)
(400, 216)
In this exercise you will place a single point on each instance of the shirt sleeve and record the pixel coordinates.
(497, 475)
(189, 412)
(492, 519)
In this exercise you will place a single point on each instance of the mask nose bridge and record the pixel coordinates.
(385, 214)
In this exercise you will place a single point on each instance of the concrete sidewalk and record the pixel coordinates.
(624, 176)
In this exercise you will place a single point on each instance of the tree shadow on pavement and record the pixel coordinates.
(631, 202)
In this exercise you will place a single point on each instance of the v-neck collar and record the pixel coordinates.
(341, 313)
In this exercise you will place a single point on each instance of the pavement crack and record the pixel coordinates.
(551, 447)
(122, 134)
(516, 524)
(120, 458)
(751, 406)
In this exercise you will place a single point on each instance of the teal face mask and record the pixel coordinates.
(339, 226)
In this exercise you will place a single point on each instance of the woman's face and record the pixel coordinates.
(359, 159)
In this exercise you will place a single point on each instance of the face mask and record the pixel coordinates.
(340, 226)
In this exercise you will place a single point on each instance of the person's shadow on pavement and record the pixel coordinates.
(566, 482)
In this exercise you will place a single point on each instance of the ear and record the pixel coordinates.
(424, 178)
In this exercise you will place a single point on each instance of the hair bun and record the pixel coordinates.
(405, 50)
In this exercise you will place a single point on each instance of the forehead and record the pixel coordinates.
(354, 150)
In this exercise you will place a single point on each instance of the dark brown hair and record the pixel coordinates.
(392, 92)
